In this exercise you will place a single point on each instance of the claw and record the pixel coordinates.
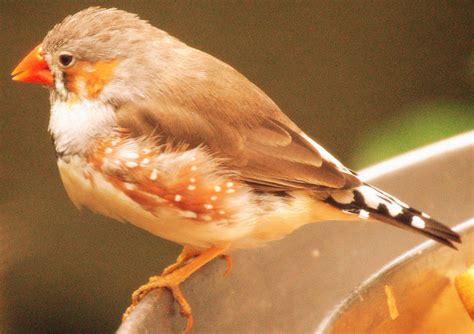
(188, 262)
(185, 308)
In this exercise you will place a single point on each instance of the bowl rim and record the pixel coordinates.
(418, 155)
(367, 284)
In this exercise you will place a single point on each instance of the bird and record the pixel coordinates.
(151, 131)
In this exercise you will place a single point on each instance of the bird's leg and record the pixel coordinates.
(180, 274)
(187, 263)
(186, 254)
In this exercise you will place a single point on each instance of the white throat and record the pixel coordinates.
(74, 126)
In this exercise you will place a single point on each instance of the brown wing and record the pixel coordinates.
(224, 111)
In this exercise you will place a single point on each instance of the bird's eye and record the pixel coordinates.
(66, 59)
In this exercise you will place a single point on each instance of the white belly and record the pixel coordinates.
(273, 220)
(87, 187)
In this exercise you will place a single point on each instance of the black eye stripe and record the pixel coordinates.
(65, 59)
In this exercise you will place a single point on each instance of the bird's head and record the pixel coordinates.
(98, 53)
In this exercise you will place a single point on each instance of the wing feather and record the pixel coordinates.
(238, 123)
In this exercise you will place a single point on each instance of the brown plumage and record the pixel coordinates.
(154, 132)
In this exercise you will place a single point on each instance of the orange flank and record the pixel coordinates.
(145, 200)
(186, 186)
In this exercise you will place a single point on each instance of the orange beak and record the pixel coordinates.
(34, 69)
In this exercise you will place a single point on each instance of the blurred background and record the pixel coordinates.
(367, 80)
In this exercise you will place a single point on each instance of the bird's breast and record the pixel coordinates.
(74, 125)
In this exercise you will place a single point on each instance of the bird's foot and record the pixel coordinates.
(187, 263)
(157, 282)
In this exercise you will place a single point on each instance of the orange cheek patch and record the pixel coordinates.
(89, 79)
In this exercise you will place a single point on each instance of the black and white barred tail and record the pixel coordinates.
(370, 202)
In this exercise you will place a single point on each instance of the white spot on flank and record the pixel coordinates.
(131, 164)
(221, 212)
(145, 162)
(230, 191)
(117, 162)
(189, 214)
(194, 168)
(191, 187)
(230, 184)
(192, 180)
(108, 150)
(208, 206)
(114, 142)
(217, 189)
(364, 214)
(178, 198)
(206, 218)
(193, 158)
(418, 222)
(343, 197)
(154, 174)
(213, 198)
(130, 155)
(146, 151)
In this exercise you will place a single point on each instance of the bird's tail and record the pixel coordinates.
(370, 202)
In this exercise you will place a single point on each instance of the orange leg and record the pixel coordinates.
(186, 254)
(173, 276)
